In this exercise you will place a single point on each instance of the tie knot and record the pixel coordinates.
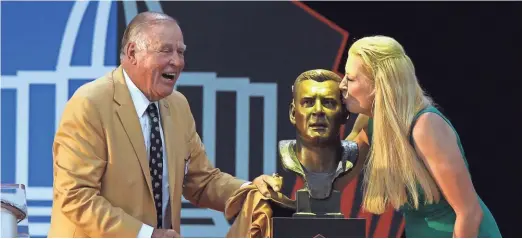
(152, 110)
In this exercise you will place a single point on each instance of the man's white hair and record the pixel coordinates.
(137, 30)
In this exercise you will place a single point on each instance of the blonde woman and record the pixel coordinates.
(416, 162)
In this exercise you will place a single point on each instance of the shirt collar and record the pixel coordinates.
(140, 101)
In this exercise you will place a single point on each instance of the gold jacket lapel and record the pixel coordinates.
(130, 122)
(173, 134)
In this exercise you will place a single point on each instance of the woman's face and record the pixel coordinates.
(356, 87)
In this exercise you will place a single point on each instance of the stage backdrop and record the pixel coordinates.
(241, 61)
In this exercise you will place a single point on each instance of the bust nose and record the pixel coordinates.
(318, 108)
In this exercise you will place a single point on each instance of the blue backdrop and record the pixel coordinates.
(48, 50)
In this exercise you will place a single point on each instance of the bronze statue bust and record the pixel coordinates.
(318, 155)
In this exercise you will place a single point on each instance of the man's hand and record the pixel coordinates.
(165, 233)
(264, 181)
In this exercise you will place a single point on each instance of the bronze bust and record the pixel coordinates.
(318, 155)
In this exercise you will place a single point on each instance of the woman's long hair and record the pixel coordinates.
(394, 173)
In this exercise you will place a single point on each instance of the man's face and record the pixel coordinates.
(317, 111)
(161, 63)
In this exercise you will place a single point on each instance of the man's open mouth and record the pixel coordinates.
(169, 76)
(318, 125)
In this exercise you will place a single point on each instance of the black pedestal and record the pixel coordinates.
(296, 227)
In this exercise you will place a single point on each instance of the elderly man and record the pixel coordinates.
(126, 148)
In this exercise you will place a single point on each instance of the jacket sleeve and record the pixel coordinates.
(252, 214)
(80, 159)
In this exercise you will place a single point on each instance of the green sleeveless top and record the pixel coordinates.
(438, 220)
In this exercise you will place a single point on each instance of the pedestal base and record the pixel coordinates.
(297, 227)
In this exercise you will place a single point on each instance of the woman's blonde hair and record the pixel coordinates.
(394, 173)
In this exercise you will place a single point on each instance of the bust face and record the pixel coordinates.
(317, 111)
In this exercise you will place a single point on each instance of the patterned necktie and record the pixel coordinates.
(156, 159)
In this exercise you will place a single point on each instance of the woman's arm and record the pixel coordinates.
(436, 144)
(360, 123)
(363, 147)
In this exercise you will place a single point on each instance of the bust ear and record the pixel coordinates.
(291, 113)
